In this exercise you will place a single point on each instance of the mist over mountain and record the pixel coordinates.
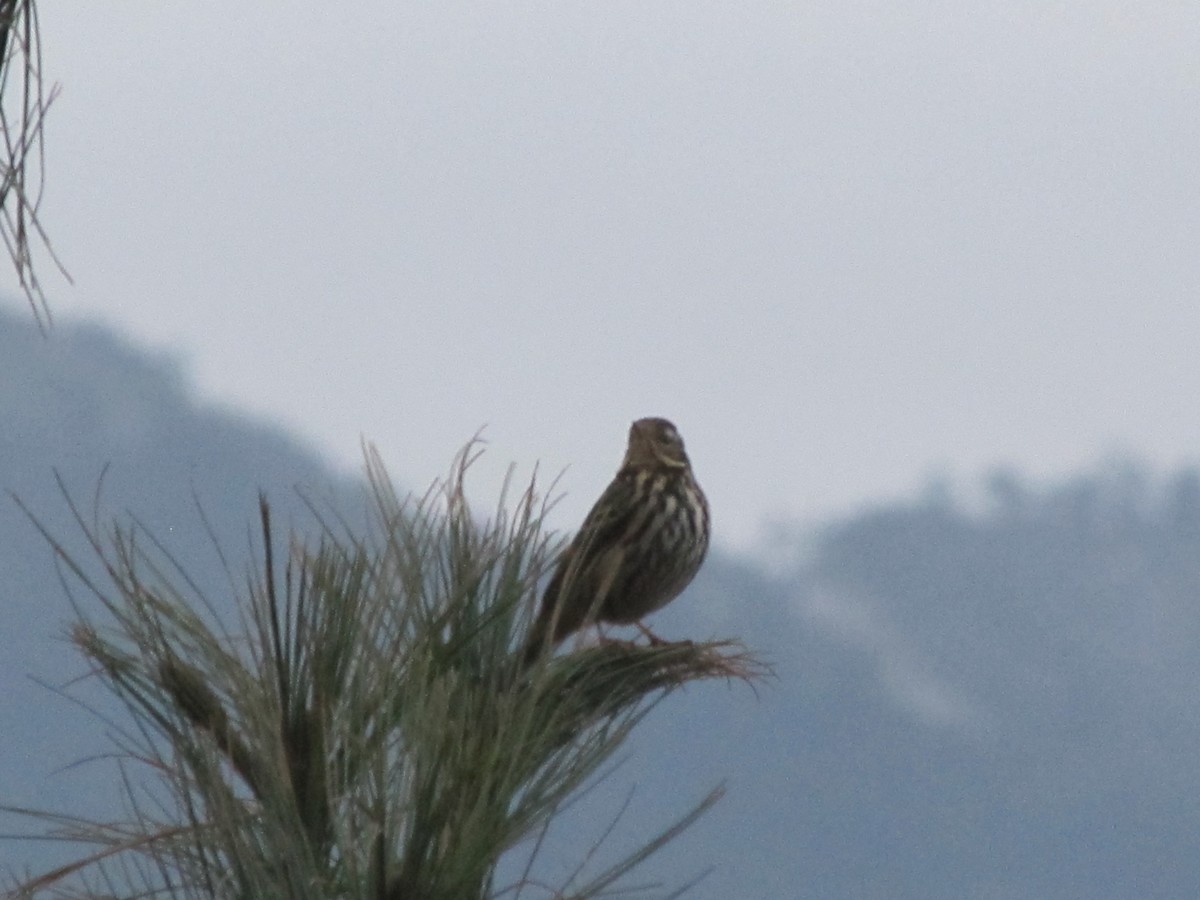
(992, 697)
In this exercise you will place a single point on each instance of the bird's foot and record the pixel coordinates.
(654, 639)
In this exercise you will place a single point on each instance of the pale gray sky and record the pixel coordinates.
(842, 244)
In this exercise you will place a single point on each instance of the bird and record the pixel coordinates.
(637, 549)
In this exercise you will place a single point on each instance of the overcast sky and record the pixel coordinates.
(842, 244)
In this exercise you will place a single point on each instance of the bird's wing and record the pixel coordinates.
(612, 516)
(588, 567)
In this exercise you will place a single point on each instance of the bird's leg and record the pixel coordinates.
(654, 639)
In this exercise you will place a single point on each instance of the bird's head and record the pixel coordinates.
(655, 443)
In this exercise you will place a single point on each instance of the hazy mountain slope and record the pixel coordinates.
(82, 403)
(1042, 652)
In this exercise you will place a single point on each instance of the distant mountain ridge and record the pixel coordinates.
(995, 703)
(84, 406)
